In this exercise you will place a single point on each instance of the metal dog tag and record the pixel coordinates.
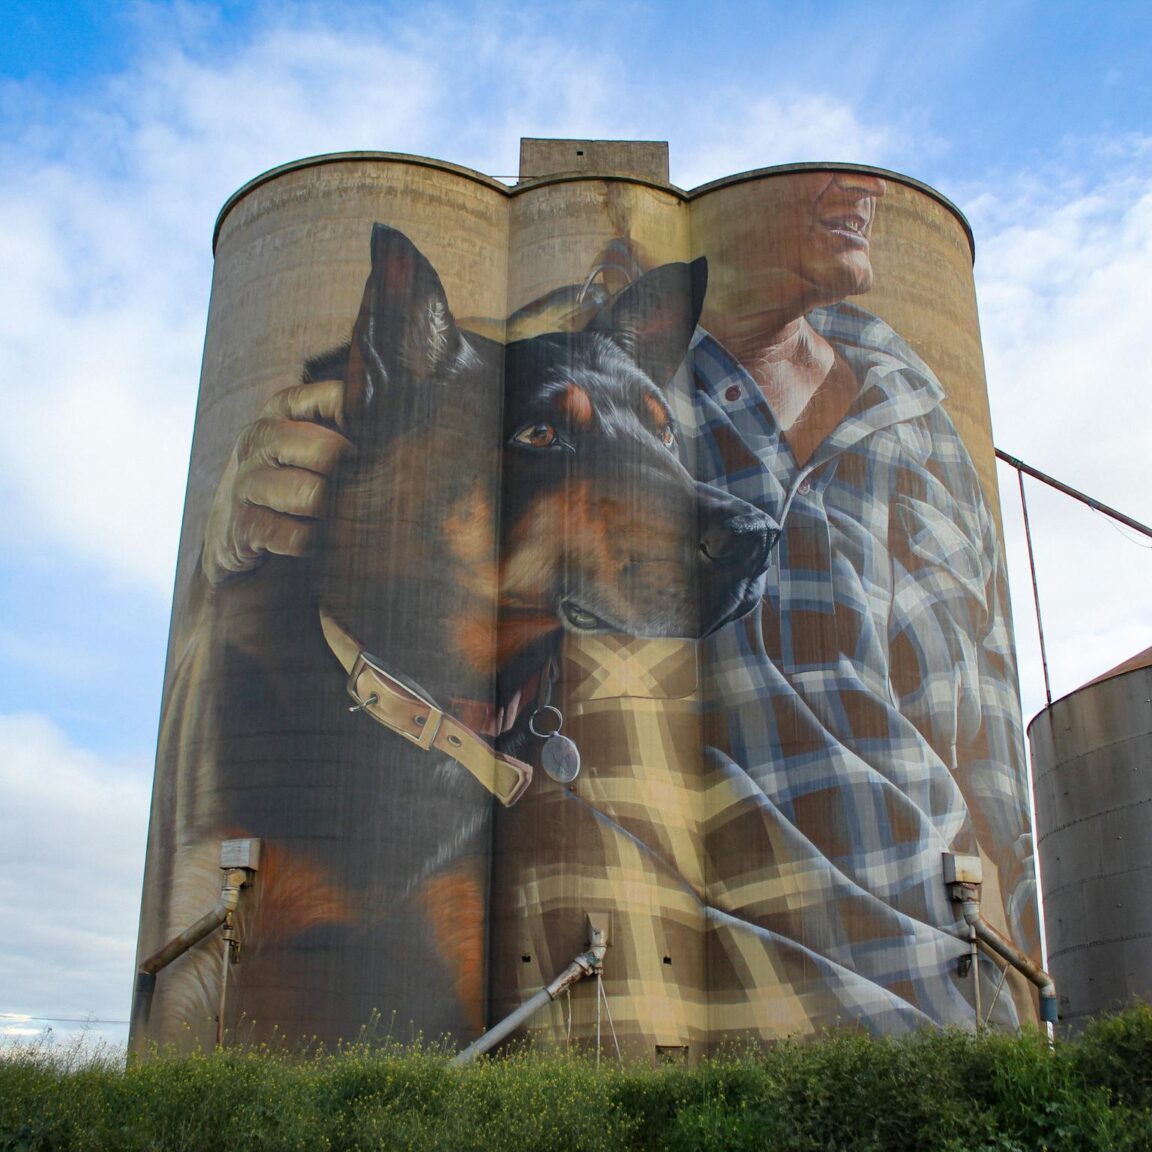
(560, 758)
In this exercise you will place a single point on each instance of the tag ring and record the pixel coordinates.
(545, 735)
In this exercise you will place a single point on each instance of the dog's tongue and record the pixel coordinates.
(484, 718)
(506, 716)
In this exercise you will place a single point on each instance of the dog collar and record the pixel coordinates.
(408, 711)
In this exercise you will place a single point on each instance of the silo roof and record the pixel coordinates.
(514, 190)
(1140, 660)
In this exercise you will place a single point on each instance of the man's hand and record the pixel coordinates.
(274, 491)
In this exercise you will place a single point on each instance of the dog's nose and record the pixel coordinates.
(734, 535)
(742, 543)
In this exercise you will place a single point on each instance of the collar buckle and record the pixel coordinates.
(401, 707)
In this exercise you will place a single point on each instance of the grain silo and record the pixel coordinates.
(588, 578)
(1090, 757)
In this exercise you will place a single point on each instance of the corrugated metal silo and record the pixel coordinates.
(1091, 757)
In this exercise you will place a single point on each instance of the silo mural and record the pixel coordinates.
(585, 561)
(1090, 752)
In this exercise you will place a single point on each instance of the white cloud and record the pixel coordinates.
(107, 205)
(106, 216)
(106, 209)
(72, 828)
(107, 202)
(1063, 271)
(776, 130)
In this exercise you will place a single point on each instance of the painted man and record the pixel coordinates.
(872, 700)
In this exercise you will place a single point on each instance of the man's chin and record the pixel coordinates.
(848, 275)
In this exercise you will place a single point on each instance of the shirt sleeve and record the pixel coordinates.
(953, 661)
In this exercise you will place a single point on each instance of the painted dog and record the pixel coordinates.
(499, 496)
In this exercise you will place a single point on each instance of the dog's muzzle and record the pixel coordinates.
(736, 541)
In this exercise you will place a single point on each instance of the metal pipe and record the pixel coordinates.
(1006, 950)
(506, 1026)
(1095, 505)
(588, 963)
(236, 879)
(208, 923)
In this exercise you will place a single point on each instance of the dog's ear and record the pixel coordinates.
(405, 331)
(654, 317)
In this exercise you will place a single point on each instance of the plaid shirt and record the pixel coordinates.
(763, 813)
(873, 697)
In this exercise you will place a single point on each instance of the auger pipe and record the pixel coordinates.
(588, 963)
(1076, 494)
(229, 899)
(1008, 951)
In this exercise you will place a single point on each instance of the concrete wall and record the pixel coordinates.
(764, 848)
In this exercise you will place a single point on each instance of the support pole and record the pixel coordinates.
(1035, 589)
(1076, 494)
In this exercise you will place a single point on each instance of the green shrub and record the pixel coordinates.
(1115, 1054)
(935, 1091)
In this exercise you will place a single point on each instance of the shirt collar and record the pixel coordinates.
(895, 383)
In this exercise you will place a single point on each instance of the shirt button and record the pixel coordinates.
(804, 487)
(732, 392)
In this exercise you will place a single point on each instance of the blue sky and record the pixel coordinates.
(124, 127)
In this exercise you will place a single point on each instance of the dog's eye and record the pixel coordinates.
(668, 437)
(538, 436)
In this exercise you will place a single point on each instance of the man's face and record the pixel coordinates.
(830, 215)
(790, 243)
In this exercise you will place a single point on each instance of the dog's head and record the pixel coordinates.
(604, 527)
(543, 476)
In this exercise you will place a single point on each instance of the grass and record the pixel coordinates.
(943, 1091)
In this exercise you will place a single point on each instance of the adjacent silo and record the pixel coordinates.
(696, 488)
(1091, 756)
